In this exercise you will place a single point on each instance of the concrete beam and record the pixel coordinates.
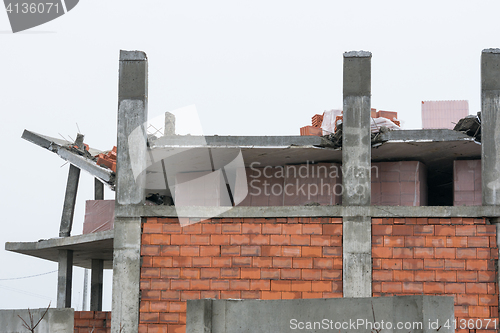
(96, 283)
(64, 279)
(356, 180)
(490, 126)
(130, 185)
(69, 201)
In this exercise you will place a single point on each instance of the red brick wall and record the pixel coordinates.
(251, 258)
(451, 256)
(92, 322)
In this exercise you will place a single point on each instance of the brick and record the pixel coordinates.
(331, 274)
(394, 241)
(282, 262)
(435, 241)
(291, 251)
(382, 275)
(232, 294)
(308, 274)
(169, 295)
(445, 253)
(250, 294)
(488, 300)
(414, 241)
(478, 241)
(150, 272)
(382, 230)
(271, 251)
(423, 230)
(403, 276)
(160, 284)
(444, 230)
(250, 273)
(190, 251)
(323, 263)
(301, 286)
(413, 264)
(311, 294)
(392, 287)
(391, 263)
(260, 284)
(221, 262)
(402, 230)
(219, 239)
(271, 229)
(402, 253)
(377, 241)
(169, 317)
(210, 293)
(189, 294)
(240, 240)
(180, 284)
(301, 239)
(290, 295)
(242, 261)
(446, 276)
(228, 250)
(250, 250)
(483, 253)
(320, 240)
(159, 306)
(287, 274)
(292, 229)
(454, 288)
(231, 273)
(316, 251)
(172, 229)
(302, 263)
(466, 276)
(323, 286)
(486, 230)
(465, 230)
(200, 240)
(332, 229)
(433, 264)
(259, 239)
(219, 284)
(479, 311)
(460, 242)
(476, 288)
(160, 239)
(423, 252)
(262, 262)
(433, 287)
(413, 287)
(251, 228)
(190, 273)
(177, 307)
(454, 264)
(330, 251)
(211, 228)
(210, 251)
(231, 228)
(239, 284)
(277, 285)
(271, 295)
(152, 228)
(182, 262)
(476, 265)
(210, 273)
(486, 276)
(280, 240)
(467, 299)
(180, 239)
(421, 275)
(270, 273)
(170, 250)
(150, 250)
(312, 229)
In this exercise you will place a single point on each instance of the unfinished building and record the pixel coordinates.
(403, 212)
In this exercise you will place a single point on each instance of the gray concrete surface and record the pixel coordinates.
(379, 314)
(490, 126)
(55, 321)
(356, 178)
(96, 285)
(69, 201)
(131, 156)
(64, 278)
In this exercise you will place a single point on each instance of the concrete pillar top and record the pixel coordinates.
(358, 54)
(132, 56)
(492, 50)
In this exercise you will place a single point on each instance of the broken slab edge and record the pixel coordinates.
(358, 54)
(491, 50)
(133, 55)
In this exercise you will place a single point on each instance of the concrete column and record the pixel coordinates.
(490, 126)
(96, 282)
(356, 180)
(69, 201)
(64, 279)
(98, 189)
(131, 160)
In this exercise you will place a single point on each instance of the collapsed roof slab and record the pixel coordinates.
(86, 247)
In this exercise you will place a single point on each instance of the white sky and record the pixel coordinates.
(250, 67)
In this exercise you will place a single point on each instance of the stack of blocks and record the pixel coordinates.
(467, 183)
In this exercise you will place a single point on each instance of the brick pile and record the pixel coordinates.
(248, 258)
(92, 321)
(467, 183)
(438, 256)
(315, 129)
(108, 160)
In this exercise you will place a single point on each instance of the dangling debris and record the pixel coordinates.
(470, 125)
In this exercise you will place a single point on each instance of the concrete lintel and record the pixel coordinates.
(132, 55)
(65, 279)
(316, 211)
